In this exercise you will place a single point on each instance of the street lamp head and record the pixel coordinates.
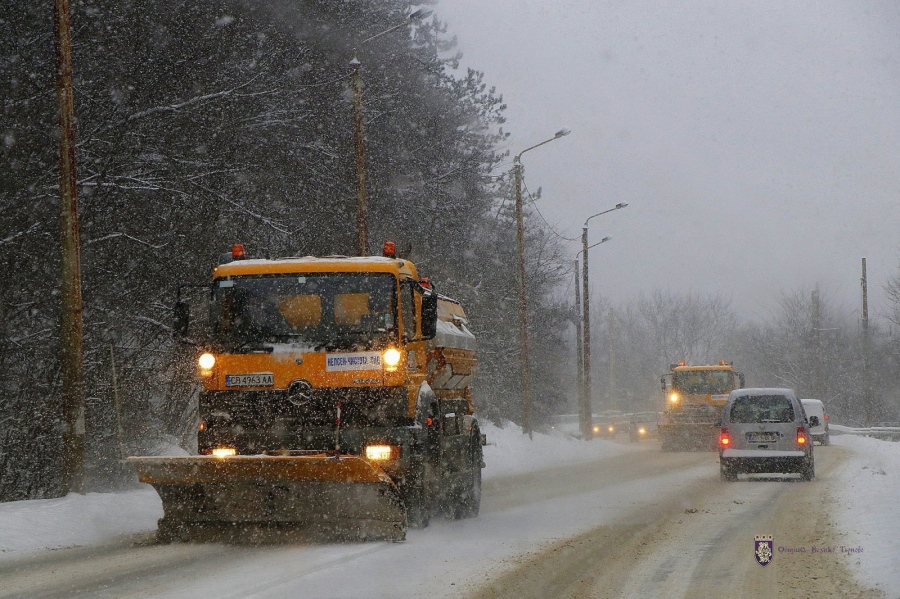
(605, 239)
(621, 205)
(422, 13)
(562, 133)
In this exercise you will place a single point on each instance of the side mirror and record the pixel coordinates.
(662, 383)
(814, 421)
(182, 320)
(429, 314)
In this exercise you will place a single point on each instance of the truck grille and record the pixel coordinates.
(306, 407)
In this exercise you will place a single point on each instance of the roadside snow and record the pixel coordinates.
(79, 520)
(510, 452)
(866, 516)
(868, 513)
(75, 520)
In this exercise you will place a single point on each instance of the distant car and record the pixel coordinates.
(566, 424)
(814, 407)
(765, 430)
(609, 423)
(643, 425)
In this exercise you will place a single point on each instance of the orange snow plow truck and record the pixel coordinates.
(695, 397)
(335, 396)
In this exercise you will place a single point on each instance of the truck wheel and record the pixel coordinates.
(468, 501)
(415, 497)
(418, 512)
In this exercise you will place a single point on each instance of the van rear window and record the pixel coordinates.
(761, 408)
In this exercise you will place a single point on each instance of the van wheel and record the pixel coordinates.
(727, 471)
(808, 472)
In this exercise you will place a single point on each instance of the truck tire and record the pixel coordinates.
(415, 498)
(666, 442)
(418, 511)
(468, 500)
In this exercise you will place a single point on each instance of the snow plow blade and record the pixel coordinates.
(344, 495)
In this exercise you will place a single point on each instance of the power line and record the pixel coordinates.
(538, 210)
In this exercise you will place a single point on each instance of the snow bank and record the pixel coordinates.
(868, 512)
(75, 520)
(511, 452)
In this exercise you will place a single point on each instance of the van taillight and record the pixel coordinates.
(801, 436)
(724, 438)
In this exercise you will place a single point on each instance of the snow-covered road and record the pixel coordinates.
(558, 516)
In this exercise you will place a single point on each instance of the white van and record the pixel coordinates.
(814, 407)
(765, 430)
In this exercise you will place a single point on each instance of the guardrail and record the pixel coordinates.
(889, 433)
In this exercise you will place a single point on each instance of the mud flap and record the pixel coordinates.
(341, 495)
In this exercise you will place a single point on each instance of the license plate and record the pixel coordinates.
(255, 379)
(762, 437)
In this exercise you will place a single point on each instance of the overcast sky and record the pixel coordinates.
(757, 143)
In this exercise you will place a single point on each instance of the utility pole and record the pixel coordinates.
(523, 305)
(362, 209)
(71, 337)
(524, 361)
(586, 315)
(584, 414)
(867, 374)
(612, 358)
(586, 302)
(359, 143)
(815, 308)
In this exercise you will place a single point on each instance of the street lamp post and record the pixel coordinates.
(525, 374)
(586, 306)
(584, 403)
(362, 209)
(579, 351)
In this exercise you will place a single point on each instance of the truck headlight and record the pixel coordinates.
(674, 398)
(378, 453)
(224, 452)
(391, 358)
(206, 361)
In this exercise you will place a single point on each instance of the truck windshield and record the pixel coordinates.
(330, 310)
(704, 382)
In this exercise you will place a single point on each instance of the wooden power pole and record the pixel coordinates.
(613, 400)
(867, 374)
(71, 351)
(816, 308)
